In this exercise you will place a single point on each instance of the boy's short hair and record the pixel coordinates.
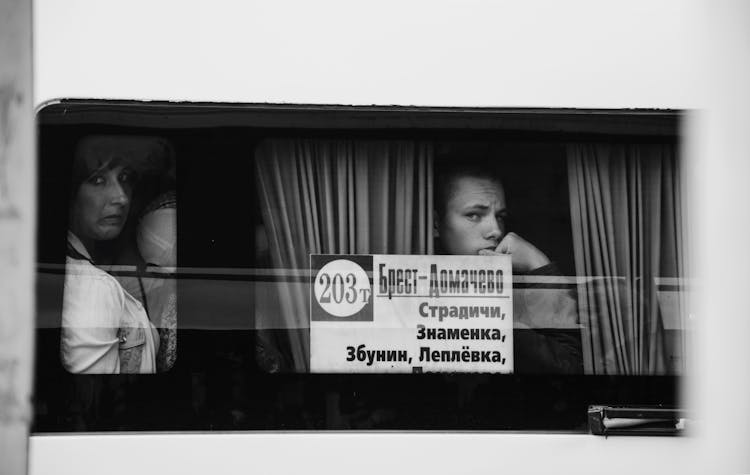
(473, 162)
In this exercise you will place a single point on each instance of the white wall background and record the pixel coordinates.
(681, 54)
(581, 53)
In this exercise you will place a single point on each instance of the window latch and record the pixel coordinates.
(634, 420)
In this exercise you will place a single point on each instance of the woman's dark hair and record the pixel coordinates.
(144, 155)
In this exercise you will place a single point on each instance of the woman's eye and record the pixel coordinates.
(473, 216)
(97, 180)
(125, 177)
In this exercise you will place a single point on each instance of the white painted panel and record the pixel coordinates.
(579, 53)
(358, 453)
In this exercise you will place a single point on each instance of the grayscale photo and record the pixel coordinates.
(444, 237)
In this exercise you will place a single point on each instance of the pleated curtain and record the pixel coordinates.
(628, 220)
(328, 196)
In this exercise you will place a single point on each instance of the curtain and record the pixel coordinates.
(339, 197)
(627, 221)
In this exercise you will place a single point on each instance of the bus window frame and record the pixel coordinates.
(571, 124)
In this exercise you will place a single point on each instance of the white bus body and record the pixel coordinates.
(581, 54)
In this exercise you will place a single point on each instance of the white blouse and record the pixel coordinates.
(100, 318)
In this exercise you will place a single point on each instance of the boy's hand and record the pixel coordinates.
(526, 257)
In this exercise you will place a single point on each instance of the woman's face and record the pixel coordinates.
(101, 206)
(474, 217)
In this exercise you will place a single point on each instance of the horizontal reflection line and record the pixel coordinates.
(447, 296)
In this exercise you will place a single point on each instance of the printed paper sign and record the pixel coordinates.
(407, 313)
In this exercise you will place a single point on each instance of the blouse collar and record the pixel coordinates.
(78, 245)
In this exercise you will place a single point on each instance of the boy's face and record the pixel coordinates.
(474, 216)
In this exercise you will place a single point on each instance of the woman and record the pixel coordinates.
(104, 328)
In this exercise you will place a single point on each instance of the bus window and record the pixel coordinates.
(363, 268)
(592, 229)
